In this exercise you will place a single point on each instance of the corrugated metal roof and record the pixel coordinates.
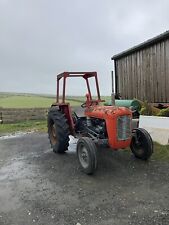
(145, 44)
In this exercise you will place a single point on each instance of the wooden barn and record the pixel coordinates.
(143, 71)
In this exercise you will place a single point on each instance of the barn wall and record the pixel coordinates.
(144, 74)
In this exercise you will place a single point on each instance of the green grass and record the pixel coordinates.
(26, 126)
(25, 102)
(161, 152)
(32, 101)
(14, 100)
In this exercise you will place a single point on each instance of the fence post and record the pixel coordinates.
(1, 121)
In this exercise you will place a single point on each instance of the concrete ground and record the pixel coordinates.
(43, 188)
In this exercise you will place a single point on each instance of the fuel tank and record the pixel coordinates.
(118, 124)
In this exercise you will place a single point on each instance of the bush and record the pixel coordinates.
(149, 110)
(164, 112)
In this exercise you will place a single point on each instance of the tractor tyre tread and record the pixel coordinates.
(148, 145)
(92, 151)
(57, 118)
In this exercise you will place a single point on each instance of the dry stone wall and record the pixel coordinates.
(11, 115)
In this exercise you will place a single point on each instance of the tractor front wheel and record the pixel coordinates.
(141, 144)
(58, 131)
(87, 155)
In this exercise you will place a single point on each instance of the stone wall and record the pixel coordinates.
(11, 115)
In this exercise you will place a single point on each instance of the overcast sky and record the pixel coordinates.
(41, 38)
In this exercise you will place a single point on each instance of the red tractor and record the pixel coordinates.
(109, 126)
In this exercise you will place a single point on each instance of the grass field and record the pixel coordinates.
(28, 101)
(24, 126)
(8, 100)
(25, 102)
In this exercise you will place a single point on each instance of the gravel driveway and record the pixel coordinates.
(43, 188)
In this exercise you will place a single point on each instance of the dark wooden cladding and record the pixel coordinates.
(144, 74)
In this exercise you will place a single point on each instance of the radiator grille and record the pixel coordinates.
(123, 128)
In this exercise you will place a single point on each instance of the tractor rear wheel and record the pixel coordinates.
(141, 144)
(87, 155)
(58, 131)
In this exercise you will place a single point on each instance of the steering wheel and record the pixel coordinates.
(83, 105)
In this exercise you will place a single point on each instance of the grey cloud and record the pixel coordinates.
(41, 38)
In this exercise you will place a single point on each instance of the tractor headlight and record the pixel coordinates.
(123, 128)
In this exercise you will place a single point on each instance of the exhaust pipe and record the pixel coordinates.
(112, 94)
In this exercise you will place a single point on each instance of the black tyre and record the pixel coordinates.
(58, 131)
(141, 144)
(87, 155)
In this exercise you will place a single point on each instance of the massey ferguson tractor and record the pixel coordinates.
(109, 126)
